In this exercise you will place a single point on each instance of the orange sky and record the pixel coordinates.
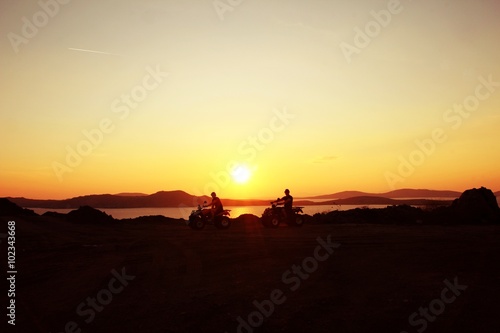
(315, 96)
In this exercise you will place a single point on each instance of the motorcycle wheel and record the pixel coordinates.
(274, 222)
(299, 221)
(196, 223)
(223, 223)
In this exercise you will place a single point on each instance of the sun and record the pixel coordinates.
(241, 174)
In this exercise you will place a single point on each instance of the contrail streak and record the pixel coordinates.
(92, 51)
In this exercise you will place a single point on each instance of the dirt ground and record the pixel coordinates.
(165, 277)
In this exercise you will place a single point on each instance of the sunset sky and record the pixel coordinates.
(109, 96)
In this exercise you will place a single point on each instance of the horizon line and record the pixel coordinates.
(141, 194)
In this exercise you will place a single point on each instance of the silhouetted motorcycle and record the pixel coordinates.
(274, 215)
(201, 217)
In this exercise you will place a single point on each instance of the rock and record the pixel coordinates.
(247, 218)
(8, 208)
(87, 214)
(153, 219)
(477, 205)
(54, 215)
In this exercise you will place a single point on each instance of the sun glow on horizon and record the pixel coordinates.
(241, 174)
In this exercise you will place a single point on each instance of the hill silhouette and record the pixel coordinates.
(131, 194)
(402, 193)
(9, 208)
(89, 215)
(182, 199)
(374, 200)
(158, 199)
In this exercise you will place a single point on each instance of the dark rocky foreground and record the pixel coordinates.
(474, 206)
(154, 274)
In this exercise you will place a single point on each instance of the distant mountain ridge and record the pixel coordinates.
(372, 200)
(131, 194)
(158, 199)
(402, 193)
(182, 199)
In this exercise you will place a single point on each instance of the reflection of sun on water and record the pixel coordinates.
(241, 174)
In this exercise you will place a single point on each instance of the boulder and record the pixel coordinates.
(477, 205)
(87, 214)
(247, 218)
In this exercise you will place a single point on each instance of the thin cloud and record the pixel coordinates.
(324, 159)
(93, 51)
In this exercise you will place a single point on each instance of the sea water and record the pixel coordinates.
(175, 212)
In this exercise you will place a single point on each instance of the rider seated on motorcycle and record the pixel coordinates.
(287, 201)
(216, 205)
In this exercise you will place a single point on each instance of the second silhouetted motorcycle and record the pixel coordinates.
(274, 215)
